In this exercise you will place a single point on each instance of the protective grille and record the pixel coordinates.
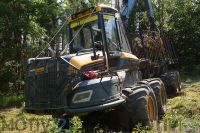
(47, 83)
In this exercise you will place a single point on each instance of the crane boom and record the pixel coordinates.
(127, 6)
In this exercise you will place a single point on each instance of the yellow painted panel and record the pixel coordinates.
(87, 20)
(83, 21)
(128, 55)
(81, 16)
(82, 60)
(108, 17)
(87, 13)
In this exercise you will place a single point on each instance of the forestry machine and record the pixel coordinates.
(115, 72)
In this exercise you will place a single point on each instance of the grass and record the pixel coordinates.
(16, 121)
(183, 113)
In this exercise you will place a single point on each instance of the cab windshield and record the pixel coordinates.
(85, 37)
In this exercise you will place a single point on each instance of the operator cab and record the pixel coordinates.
(97, 29)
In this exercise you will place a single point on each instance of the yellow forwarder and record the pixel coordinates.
(107, 78)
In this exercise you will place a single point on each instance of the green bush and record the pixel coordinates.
(6, 101)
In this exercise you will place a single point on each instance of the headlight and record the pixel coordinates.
(83, 96)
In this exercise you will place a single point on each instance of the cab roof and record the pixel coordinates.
(93, 10)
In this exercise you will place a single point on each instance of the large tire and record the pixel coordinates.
(160, 92)
(172, 82)
(141, 106)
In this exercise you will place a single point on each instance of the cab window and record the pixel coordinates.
(83, 37)
(111, 33)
